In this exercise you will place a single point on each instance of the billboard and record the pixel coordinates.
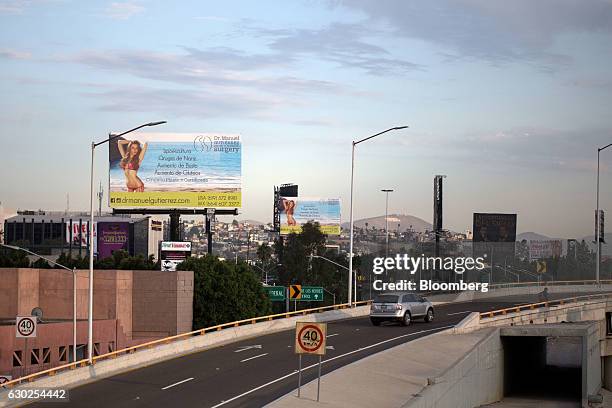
(542, 249)
(79, 234)
(494, 227)
(185, 170)
(494, 236)
(296, 211)
(173, 253)
(112, 236)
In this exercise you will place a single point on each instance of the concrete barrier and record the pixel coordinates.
(143, 358)
(476, 379)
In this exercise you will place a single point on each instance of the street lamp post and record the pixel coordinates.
(91, 233)
(597, 220)
(355, 143)
(340, 266)
(265, 271)
(387, 191)
(74, 292)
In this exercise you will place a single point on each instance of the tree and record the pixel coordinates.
(264, 254)
(224, 292)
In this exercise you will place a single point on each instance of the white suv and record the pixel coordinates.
(401, 307)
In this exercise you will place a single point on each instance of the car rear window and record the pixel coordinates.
(386, 299)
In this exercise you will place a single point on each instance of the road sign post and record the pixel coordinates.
(25, 328)
(310, 338)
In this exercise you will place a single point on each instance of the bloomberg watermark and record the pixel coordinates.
(411, 265)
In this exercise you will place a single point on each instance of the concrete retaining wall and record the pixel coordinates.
(106, 368)
(514, 291)
(474, 380)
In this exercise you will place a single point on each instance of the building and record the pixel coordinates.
(53, 233)
(130, 307)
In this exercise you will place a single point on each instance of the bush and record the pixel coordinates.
(224, 292)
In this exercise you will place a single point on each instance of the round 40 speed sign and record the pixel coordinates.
(310, 338)
(25, 326)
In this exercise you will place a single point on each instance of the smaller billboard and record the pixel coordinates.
(112, 236)
(543, 249)
(173, 253)
(77, 232)
(297, 211)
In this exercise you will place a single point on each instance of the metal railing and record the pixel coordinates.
(166, 340)
(537, 305)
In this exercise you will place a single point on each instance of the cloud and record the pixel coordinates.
(218, 67)
(498, 32)
(183, 102)
(14, 54)
(530, 147)
(340, 43)
(19, 6)
(123, 10)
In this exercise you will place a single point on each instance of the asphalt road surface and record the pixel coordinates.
(254, 372)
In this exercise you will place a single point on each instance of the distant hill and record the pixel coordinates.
(531, 236)
(405, 221)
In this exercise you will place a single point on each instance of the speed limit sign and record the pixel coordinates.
(26, 326)
(310, 338)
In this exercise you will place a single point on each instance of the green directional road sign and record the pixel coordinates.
(275, 293)
(312, 293)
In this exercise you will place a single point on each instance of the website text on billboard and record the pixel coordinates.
(186, 170)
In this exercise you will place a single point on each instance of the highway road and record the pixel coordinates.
(254, 372)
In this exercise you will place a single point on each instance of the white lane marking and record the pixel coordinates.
(177, 383)
(245, 348)
(329, 348)
(323, 362)
(332, 335)
(467, 311)
(251, 358)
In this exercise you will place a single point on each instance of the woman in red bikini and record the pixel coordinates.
(132, 157)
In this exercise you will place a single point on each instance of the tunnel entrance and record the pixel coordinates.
(543, 367)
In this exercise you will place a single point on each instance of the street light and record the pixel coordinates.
(339, 265)
(355, 143)
(91, 233)
(74, 302)
(597, 220)
(387, 191)
(265, 271)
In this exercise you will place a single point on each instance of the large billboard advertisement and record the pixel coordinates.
(296, 211)
(494, 227)
(184, 170)
(543, 249)
(112, 236)
(494, 236)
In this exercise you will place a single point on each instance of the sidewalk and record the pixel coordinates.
(389, 378)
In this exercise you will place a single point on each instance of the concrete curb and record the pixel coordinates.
(144, 358)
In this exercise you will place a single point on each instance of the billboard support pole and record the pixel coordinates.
(175, 232)
(209, 238)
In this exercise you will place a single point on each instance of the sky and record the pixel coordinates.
(510, 100)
